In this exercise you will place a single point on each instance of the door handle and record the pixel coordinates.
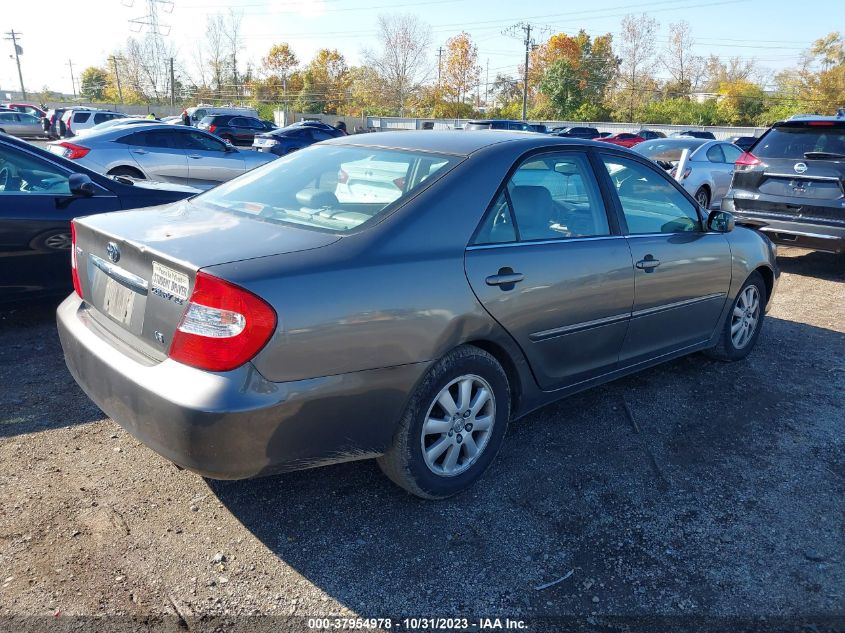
(505, 277)
(648, 263)
(194, 156)
(139, 151)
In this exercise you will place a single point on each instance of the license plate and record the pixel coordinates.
(171, 283)
(119, 301)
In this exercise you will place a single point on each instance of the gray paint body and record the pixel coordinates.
(362, 316)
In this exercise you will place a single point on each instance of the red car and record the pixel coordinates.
(27, 108)
(625, 139)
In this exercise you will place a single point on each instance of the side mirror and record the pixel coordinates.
(81, 186)
(721, 222)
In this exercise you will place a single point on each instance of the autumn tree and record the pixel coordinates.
(325, 83)
(402, 60)
(678, 59)
(280, 60)
(460, 74)
(93, 82)
(636, 81)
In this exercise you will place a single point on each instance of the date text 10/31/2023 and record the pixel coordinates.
(418, 624)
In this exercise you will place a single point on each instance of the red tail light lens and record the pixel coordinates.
(73, 268)
(73, 151)
(211, 128)
(223, 326)
(747, 161)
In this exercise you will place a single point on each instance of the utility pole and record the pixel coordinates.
(117, 77)
(13, 38)
(172, 85)
(487, 83)
(527, 28)
(72, 83)
(439, 63)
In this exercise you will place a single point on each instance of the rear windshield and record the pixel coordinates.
(667, 149)
(478, 126)
(331, 187)
(794, 141)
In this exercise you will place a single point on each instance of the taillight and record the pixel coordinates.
(223, 326)
(747, 161)
(73, 151)
(211, 128)
(342, 177)
(73, 269)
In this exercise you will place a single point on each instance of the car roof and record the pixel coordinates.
(455, 142)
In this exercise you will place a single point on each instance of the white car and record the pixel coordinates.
(76, 120)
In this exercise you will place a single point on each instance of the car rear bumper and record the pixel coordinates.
(237, 424)
(792, 231)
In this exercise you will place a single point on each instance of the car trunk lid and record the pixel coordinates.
(137, 269)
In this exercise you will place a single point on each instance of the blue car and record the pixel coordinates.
(40, 193)
(296, 136)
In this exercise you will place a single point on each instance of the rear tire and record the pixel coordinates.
(126, 171)
(744, 322)
(438, 450)
(702, 196)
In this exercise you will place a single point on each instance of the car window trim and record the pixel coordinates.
(605, 176)
(586, 152)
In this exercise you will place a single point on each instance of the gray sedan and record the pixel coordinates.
(401, 296)
(20, 124)
(709, 170)
(162, 152)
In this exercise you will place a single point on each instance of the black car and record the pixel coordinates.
(234, 128)
(40, 194)
(789, 184)
(650, 135)
(577, 132)
(296, 136)
(498, 124)
(695, 134)
(743, 142)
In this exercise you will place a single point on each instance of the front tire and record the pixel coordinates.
(702, 197)
(453, 426)
(744, 322)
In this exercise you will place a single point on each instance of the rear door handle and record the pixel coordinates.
(504, 278)
(194, 156)
(648, 263)
(139, 151)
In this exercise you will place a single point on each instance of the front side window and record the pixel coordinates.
(650, 203)
(24, 174)
(331, 187)
(201, 142)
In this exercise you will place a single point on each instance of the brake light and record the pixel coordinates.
(73, 269)
(342, 177)
(223, 326)
(73, 151)
(211, 128)
(747, 161)
(818, 123)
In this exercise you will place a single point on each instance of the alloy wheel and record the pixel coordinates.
(745, 316)
(458, 425)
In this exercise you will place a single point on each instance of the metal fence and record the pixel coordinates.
(400, 123)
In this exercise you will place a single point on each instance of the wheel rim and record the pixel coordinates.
(458, 425)
(702, 198)
(745, 317)
(58, 241)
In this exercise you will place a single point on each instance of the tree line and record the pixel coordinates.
(574, 77)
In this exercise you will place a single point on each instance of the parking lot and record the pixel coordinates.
(727, 502)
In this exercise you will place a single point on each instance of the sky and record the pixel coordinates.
(772, 32)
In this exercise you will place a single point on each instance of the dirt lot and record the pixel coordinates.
(730, 502)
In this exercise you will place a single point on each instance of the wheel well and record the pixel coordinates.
(505, 360)
(768, 279)
(119, 168)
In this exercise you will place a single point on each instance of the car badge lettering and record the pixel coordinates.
(113, 252)
(800, 168)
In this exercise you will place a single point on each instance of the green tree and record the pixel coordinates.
(562, 84)
(93, 83)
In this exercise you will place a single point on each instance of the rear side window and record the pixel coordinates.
(794, 141)
(101, 117)
(81, 117)
(715, 154)
(732, 153)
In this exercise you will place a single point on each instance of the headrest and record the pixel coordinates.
(316, 198)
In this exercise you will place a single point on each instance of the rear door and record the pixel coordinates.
(549, 265)
(210, 161)
(681, 271)
(158, 154)
(801, 173)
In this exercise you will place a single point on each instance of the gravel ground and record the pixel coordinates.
(729, 502)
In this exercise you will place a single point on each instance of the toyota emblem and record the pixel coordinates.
(113, 252)
(800, 168)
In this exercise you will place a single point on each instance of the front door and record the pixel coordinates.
(547, 265)
(210, 160)
(682, 272)
(159, 156)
